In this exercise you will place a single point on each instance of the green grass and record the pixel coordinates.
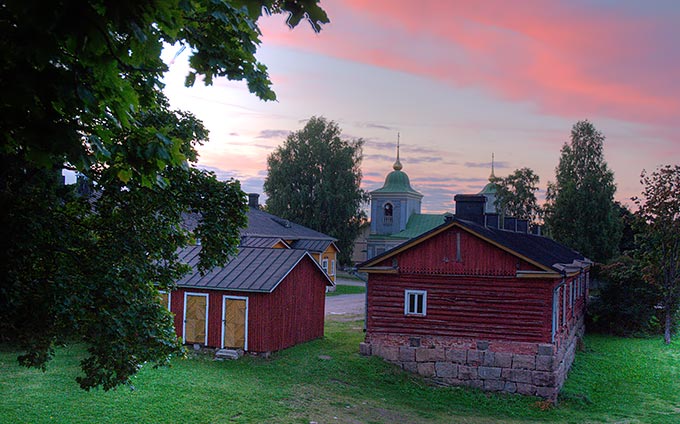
(345, 289)
(613, 380)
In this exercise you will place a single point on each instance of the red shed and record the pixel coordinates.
(471, 304)
(263, 300)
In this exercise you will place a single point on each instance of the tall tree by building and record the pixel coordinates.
(81, 88)
(516, 194)
(314, 180)
(659, 236)
(580, 211)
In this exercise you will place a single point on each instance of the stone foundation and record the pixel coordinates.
(536, 369)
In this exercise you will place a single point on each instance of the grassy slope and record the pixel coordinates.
(614, 380)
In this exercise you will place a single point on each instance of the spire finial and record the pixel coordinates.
(397, 165)
(492, 173)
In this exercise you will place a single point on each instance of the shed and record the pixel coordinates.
(263, 300)
(471, 304)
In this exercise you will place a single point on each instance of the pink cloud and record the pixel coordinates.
(568, 60)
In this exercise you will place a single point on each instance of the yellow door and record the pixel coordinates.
(194, 318)
(234, 321)
(165, 299)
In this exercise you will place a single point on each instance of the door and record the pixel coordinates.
(195, 318)
(235, 322)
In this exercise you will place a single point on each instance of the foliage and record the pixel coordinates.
(314, 180)
(580, 211)
(625, 305)
(516, 195)
(613, 380)
(659, 213)
(81, 89)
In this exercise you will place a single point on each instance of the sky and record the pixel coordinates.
(458, 81)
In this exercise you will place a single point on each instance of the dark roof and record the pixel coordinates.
(252, 270)
(541, 250)
(263, 224)
(255, 241)
(316, 246)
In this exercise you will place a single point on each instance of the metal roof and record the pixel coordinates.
(252, 270)
(418, 223)
(255, 241)
(316, 246)
(397, 182)
(263, 224)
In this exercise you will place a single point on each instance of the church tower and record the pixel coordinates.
(391, 207)
(489, 191)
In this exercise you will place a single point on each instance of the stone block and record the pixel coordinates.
(410, 366)
(542, 378)
(527, 362)
(510, 387)
(546, 349)
(502, 359)
(545, 362)
(426, 369)
(547, 392)
(456, 355)
(517, 376)
(430, 355)
(475, 384)
(488, 358)
(526, 389)
(446, 369)
(489, 373)
(407, 354)
(467, 373)
(494, 385)
(482, 345)
(226, 354)
(389, 353)
(365, 349)
(474, 357)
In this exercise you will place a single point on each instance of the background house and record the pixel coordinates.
(467, 303)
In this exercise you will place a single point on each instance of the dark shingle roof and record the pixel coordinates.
(252, 270)
(316, 246)
(539, 249)
(263, 224)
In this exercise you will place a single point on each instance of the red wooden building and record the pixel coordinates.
(470, 304)
(263, 300)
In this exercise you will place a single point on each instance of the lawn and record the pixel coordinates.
(346, 289)
(613, 380)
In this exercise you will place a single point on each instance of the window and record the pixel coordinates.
(387, 214)
(415, 302)
(324, 264)
(332, 268)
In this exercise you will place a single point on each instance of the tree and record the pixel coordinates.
(515, 194)
(314, 180)
(81, 88)
(580, 211)
(659, 213)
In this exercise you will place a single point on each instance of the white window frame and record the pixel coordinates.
(407, 294)
(184, 316)
(169, 298)
(324, 264)
(332, 267)
(224, 306)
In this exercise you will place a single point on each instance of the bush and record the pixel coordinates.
(626, 304)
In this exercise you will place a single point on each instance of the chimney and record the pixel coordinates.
(510, 224)
(522, 225)
(470, 207)
(254, 200)
(491, 220)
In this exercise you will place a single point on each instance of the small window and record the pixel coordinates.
(415, 302)
(387, 216)
(332, 268)
(324, 265)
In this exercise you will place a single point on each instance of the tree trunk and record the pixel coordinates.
(667, 329)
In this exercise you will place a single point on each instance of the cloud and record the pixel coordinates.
(278, 134)
(375, 125)
(487, 165)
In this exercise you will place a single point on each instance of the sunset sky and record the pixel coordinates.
(459, 80)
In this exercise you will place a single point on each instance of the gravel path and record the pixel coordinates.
(345, 304)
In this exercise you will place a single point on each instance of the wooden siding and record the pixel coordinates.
(439, 255)
(293, 313)
(497, 308)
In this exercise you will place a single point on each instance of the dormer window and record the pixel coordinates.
(387, 214)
